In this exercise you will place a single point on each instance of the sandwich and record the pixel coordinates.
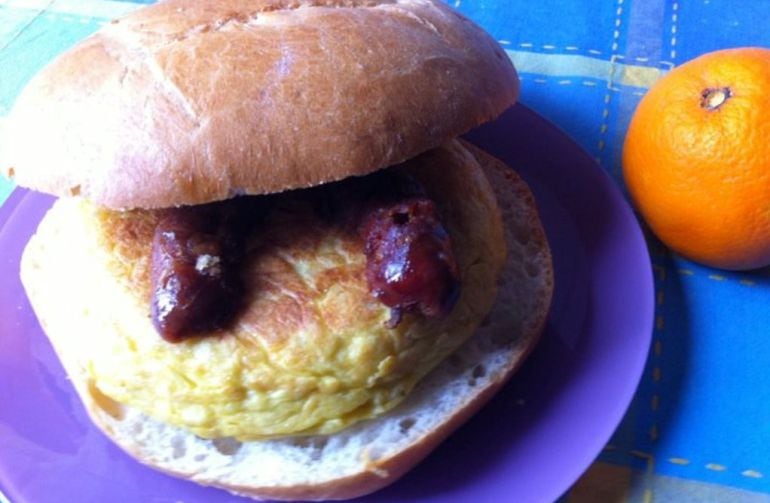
(273, 266)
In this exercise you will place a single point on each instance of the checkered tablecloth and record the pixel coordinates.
(699, 426)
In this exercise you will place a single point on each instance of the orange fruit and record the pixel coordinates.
(696, 159)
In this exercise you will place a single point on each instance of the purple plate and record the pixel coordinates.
(529, 444)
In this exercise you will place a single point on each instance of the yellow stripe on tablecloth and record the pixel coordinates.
(615, 70)
(611, 483)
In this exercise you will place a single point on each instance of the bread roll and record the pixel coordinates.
(187, 102)
(366, 456)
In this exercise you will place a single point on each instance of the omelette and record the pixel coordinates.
(312, 350)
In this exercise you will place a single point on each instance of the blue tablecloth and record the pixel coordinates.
(699, 426)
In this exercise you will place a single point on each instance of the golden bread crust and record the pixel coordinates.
(186, 102)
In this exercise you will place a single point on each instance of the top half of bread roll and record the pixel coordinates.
(186, 102)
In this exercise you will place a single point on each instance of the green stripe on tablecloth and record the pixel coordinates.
(6, 187)
(103, 9)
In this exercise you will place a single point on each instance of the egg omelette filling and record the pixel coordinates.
(312, 350)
